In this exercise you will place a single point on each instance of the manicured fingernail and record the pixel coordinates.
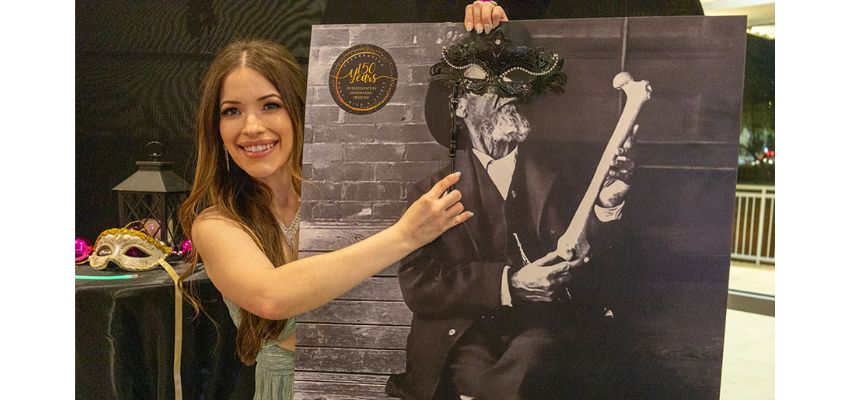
(479, 28)
(456, 173)
(468, 26)
(487, 28)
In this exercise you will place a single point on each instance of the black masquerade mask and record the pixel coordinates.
(499, 61)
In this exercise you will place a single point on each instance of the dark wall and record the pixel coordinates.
(139, 65)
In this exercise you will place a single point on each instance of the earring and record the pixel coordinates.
(226, 159)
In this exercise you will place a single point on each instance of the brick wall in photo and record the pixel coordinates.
(363, 165)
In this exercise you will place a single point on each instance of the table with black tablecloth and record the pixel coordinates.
(125, 339)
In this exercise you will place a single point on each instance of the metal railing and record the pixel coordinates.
(754, 238)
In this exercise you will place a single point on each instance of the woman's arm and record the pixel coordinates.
(243, 274)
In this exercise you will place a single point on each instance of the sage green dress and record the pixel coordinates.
(274, 379)
(275, 372)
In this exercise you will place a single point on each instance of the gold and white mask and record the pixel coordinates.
(130, 249)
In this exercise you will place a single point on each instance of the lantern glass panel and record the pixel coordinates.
(157, 213)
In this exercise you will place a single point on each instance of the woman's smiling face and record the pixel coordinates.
(254, 125)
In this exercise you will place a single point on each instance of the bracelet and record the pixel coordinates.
(487, 1)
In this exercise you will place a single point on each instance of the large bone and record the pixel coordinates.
(573, 243)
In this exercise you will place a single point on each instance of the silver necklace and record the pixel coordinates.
(291, 230)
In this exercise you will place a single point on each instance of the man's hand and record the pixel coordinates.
(540, 280)
(615, 187)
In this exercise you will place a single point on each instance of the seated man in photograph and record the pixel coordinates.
(498, 314)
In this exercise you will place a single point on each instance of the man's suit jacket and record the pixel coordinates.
(453, 281)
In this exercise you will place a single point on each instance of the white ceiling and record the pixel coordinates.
(760, 14)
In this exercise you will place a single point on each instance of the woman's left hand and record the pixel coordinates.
(483, 16)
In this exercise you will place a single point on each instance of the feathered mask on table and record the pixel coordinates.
(500, 60)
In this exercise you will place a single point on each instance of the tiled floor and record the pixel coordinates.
(748, 357)
(751, 278)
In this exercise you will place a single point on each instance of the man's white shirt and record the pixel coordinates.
(501, 173)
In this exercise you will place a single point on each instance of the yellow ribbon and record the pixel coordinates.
(178, 328)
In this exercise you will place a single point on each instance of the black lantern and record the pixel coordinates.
(152, 197)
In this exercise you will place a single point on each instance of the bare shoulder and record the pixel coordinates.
(212, 220)
(212, 212)
(233, 261)
(212, 216)
(216, 233)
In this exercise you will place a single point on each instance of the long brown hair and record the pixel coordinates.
(234, 193)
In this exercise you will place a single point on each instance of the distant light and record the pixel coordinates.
(765, 31)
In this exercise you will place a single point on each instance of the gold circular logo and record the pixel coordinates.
(363, 79)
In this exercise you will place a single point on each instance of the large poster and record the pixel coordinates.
(574, 279)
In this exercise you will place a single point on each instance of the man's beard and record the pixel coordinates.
(505, 125)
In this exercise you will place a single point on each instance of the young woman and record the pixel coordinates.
(243, 212)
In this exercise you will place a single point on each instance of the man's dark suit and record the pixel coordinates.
(453, 284)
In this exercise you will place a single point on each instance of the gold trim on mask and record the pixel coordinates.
(112, 246)
(141, 235)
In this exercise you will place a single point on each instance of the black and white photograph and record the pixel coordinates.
(599, 158)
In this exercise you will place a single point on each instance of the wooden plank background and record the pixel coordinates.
(348, 348)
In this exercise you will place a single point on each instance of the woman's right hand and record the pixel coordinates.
(433, 213)
(483, 16)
